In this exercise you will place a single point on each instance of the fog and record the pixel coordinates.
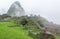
(49, 9)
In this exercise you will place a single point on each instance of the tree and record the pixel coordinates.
(4, 16)
(24, 22)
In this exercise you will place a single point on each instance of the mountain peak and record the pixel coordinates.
(17, 3)
(16, 10)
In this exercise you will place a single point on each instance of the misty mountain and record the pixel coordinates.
(16, 10)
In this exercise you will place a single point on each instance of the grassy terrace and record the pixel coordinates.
(7, 32)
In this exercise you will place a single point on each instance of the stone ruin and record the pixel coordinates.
(42, 35)
(46, 35)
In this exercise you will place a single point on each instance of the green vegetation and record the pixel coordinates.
(24, 22)
(17, 28)
(7, 32)
(4, 16)
(58, 36)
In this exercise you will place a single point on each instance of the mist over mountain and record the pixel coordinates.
(16, 10)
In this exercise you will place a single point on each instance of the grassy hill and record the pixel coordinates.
(8, 31)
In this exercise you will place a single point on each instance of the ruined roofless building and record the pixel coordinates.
(16, 10)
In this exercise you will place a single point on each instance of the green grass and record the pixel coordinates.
(58, 36)
(7, 32)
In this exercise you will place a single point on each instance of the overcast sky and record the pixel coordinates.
(50, 9)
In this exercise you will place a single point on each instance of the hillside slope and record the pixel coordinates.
(9, 31)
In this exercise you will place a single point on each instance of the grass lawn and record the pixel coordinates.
(7, 32)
